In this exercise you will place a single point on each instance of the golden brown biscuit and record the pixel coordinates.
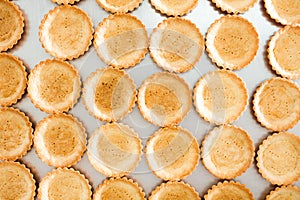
(11, 24)
(227, 151)
(64, 183)
(15, 134)
(172, 153)
(232, 42)
(174, 190)
(109, 94)
(278, 158)
(119, 189)
(229, 190)
(286, 12)
(284, 52)
(13, 79)
(114, 149)
(65, 1)
(117, 6)
(16, 181)
(276, 104)
(164, 99)
(60, 140)
(62, 35)
(121, 40)
(285, 192)
(234, 6)
(174, 7)
(54, 86)
(176, 44)
(220, 97)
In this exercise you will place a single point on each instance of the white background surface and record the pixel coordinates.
(30, 51)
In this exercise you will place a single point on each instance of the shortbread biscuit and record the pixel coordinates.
(117, 6)
(276, 104)
(278, 158)
(220, 97)
(232, 42)
(174, 7)
(66, 32)
(114, 149)
(229, 190)
(11, 25)
(54, 86)
(227, 151)
(60, 140)
(176, 44)
(119, 189)
(16, 181)
(234, 6)
(121, 40)
(15, 134)
(109, 94)
(285, 192)
(64, 183)
(286, 12)
(164, 99)
(174, 190)
(172, 153)
(284, 52)
(13, 79)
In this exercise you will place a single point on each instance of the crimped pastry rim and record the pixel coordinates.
(115, 174)
(209, 42)
(256, 109)
(52, 12)
(21, 64)
(90, 111)
(136, 60)
(67, 163)
(31, 84)
(242, 84)
(172, 13)
(199, 55)
(194, 165)
(245, 167)
(29, 124)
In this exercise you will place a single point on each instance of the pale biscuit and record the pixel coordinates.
(64, 183)
(276, 104)
(121, 40)
(119, 189)
(227, 151)
(114, 149)
(172, 153)
(66, 32)
(60, 140)
(174, 190)
(229, 190)
(164, 99)
(15, 134)
(117, 6)
(234, 6)
(286, 12)
(278, 158)
(54, 86)
(11, 24)
(285, 192)
(16, 181)
(176, 44)
(174, 7)
(284, 52)
(220, 97)
(13, 79)
(109, 94)
(232, 42)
